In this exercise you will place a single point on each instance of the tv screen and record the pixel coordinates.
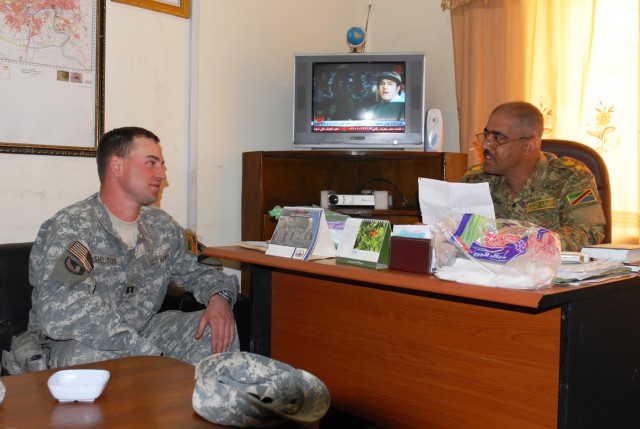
(367, 101)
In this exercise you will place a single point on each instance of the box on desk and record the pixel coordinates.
(411, 254)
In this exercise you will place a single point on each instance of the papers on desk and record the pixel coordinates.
(593, 271)
(262, 246)
(440, 199)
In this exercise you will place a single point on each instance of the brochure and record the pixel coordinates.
(302, 233)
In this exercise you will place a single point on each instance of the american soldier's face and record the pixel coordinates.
(388, 89)
(142, 172)
(502, 159)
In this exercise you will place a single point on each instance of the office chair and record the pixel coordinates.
(596, 164)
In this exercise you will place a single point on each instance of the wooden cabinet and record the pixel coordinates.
(295, 178)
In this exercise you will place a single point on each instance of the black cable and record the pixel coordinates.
(405, 203)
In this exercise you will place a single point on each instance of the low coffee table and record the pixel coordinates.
(143, 391)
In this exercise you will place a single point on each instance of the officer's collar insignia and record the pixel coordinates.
(82, 255)
(581, 197)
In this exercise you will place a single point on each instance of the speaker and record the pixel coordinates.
(433, 133)
(381, 200)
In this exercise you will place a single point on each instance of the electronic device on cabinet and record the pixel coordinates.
(359, 101)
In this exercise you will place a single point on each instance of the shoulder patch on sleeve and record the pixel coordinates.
(192, 242)
(82, 255)
(74, 265)
(582, 197)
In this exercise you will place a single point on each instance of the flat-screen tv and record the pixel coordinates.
(359, 101)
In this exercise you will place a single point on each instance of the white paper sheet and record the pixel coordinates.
(439, 199)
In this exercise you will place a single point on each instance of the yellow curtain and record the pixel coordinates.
(577, 60)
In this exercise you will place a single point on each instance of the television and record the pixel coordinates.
(359, 101)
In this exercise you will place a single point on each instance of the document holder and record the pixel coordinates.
(410, 254)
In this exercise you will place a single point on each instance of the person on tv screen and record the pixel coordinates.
(391, 105)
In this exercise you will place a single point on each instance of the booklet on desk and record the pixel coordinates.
(365, 242)
(302, 233)
(615, 252)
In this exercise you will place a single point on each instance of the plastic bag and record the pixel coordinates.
(474, 249)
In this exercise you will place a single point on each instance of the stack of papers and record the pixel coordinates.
(592, 271)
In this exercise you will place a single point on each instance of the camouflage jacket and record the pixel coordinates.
(89, 287)
(560, 194)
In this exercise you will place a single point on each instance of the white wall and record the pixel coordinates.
(244, 98)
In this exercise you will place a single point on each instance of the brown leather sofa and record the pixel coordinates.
(15, 297)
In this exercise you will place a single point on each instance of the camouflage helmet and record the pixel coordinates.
(249, 390)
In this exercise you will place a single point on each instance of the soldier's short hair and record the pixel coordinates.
(118, 142)
(528, 118)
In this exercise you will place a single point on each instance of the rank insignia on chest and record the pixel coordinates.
(548, 203)
(581, 197)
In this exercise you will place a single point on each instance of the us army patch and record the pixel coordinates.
(74, 265)
(581, 197)
(192, 242)
(549, 203)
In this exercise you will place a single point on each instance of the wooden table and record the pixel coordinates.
(143, 391)
(411, 351)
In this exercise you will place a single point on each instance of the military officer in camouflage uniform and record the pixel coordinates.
(100, 269)
(527, 184)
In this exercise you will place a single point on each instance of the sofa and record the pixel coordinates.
(15, 297)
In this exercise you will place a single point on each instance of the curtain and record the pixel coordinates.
(577, 60)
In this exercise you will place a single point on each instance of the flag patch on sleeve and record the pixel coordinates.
(192, 242)
(581, 197)
(82, 254)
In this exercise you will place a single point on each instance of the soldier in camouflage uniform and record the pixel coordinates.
(527, 184)
(100, 270)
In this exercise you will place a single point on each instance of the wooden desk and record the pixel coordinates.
(412, 351)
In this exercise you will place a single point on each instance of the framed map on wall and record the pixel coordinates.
(51, 76)
(181, 8)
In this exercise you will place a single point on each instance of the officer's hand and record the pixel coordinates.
(219, 316)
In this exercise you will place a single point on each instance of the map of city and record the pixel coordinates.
(49, 33)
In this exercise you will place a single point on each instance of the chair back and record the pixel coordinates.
(596, 164)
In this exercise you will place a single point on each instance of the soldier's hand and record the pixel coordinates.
(219, 316)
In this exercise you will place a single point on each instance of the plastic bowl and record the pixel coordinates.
(82, 385)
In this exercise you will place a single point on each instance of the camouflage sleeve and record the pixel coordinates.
(202, 280)
(582, 217)
(573, 239)
(67, 305)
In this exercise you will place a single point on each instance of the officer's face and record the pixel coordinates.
(388, 88)
(142, 172)
(506, 158)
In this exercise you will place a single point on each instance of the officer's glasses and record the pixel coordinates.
(492, 140)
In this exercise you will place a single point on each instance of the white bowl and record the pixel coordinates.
(83, 385)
